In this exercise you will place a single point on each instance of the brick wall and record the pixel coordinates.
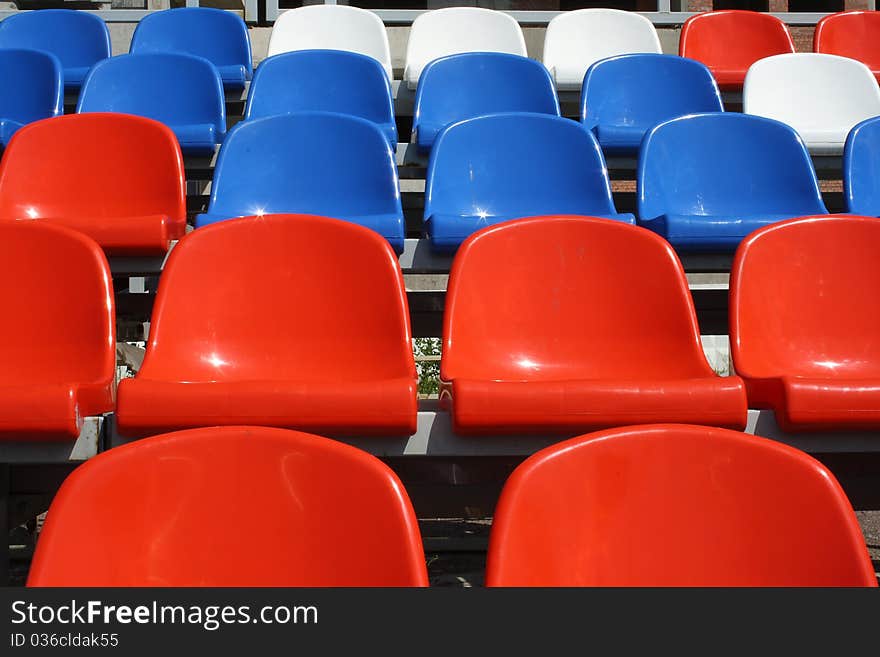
(699, 5)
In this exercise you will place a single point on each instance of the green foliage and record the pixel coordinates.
(427, 368)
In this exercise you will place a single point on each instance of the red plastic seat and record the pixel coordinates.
(675, 505)
(57, 337)
(283, 320)
(117, 178)
(730, 41)
(804, 318)
(854, 34)
(568, 324)
(231, 506)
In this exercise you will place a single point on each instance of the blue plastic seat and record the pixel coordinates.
(861, 169)
(467, 85)
(76, 38)
(181, 91)
(507, 166)
(32, 89)
(706, 181)
(624, 97)
(323, 81)
(219, 36)
(320, 163)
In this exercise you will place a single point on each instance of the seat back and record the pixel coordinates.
(78, 39)
(517, 165)
(33, 83)
(804, 299)
(733, 39)
(861, 169)
(675, 505)
(578, 39)
(468, 85)
(556, 298)
(812, 91)
(54, 277)
(700, 165)
(280, 297)
(173, 88)
(219, 36)
(100, 166)
(453, 30)
(300, 163)
(645, 90)
(321, 80)
(171, 510)
(853, 34)
(332, 27)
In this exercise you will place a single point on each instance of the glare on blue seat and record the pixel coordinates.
(182, 91)
(323, 81)
(33, 89)
(706, 181)
(861, 169)
(625, 96)
(506, 166)
(219, 36)
(463, 86)
(318, 163)
(76, 38)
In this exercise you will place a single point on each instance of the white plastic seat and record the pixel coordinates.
(454, 30)
(575, 40)
(821, 96)
(332, 27)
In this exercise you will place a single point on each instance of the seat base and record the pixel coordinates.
(125, 236)
(196, 139)
(711, 233)
(234, 76)
(448, 231)
(39, 413)
(486, 407)
(619, 139)
(389, 226)
(568, 78)
(425, 134)
(387, 407)
(825, 142)
(729, 79)
(809, 404)
(74, 77)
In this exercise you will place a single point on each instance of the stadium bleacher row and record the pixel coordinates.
(593, 327)
(717, 508)
(282, 308)
(690, 176)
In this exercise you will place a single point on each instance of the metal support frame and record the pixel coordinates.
(419, 258)
(38, 451)
(25, 454)
(435, 437)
